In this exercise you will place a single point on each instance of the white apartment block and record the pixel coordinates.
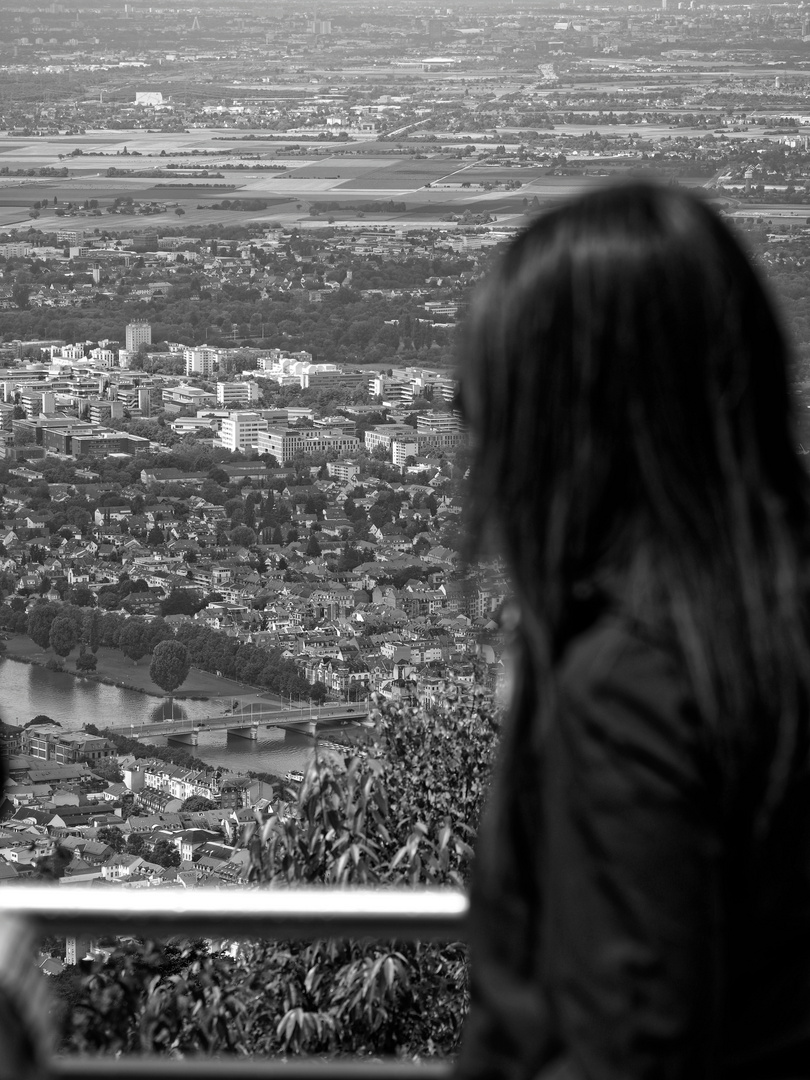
(200, 360)
(72, 352)
(185, 395)
(242, 431)
(392, 388)
(138, 398)
(229, 393)
(346, 471)
(138, 333)
(35, 403)
(401, 450)
(15, 250)
(106, 358)
(438, 421)
(99, 411)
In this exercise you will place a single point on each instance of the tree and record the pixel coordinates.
(82, 596)
(39, 622)
(182, 602)
(111, 835)
(108, 770)
(165, 853)
(41, 718)
(21, 292)
(63, 635)
(196, 803)
(52, 867)
(243, 536)
(133, 641)
(135, 844)
(170, 665)
(24, 436)
(91, 630)
(158, 630)
(86, 661)
(319, 693)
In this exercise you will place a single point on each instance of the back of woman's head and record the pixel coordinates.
(625, 381)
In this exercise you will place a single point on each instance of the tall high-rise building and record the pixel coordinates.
(138, 333)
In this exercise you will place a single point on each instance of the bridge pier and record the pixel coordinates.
(250, 732)
(186, 738)
(305, 727)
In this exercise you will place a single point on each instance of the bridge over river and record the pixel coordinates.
(246, 722)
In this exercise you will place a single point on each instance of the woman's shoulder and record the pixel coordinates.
(621, 684)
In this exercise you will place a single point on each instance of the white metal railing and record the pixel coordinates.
(280, 913)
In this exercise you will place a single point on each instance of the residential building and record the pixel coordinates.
(329, 377)
(402, 449)
(106, 358)
(345, 471)
(18, 250)
(138, 398)
(438, 421)
(200, 361)
(384, 434)
(35, 402)
(277, 360)
(230, 393)
(394, 388)
(284, 443)
(100, 410)
(65, 747)
(138, 333)
(242, 430)
(95, 442)
(178, 397)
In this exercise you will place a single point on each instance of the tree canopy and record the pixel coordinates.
(63, 635)
(133, 641)
(170, 665)
(39, 622)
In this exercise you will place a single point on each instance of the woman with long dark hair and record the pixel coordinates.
(641, 899)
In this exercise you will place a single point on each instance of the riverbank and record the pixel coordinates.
(114, 669)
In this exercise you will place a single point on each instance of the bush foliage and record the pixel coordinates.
(402, 811)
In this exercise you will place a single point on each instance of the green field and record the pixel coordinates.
(429, 184)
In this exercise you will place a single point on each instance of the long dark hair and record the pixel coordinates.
(625, 381)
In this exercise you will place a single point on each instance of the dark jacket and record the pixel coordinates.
(625, 923)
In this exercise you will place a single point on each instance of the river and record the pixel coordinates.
(27, 690)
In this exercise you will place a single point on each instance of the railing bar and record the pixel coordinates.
(280, 913)
(159, 1068)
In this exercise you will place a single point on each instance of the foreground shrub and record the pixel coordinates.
(402, 810)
